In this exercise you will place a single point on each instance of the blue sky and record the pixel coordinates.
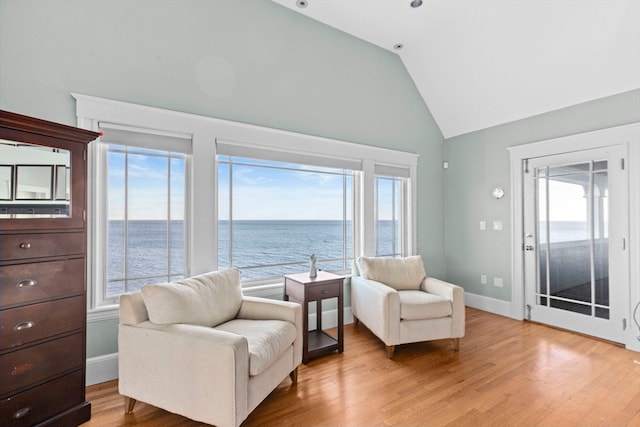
(148, 195)
(308, 193)
(266, 193)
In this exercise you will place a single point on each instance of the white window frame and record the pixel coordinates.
(344, 172)
(100, 217)
(401, 198)
(202, 202)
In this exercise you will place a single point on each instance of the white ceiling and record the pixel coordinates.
(480, 63)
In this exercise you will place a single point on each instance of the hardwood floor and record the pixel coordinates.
(507, 373)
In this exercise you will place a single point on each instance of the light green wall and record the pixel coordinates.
(479, 161)
(102, 338)
(249, 61)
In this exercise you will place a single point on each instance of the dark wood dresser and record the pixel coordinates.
(43, 307)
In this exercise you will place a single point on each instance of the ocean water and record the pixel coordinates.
(261, 249)
(145, 260)
(260, 243)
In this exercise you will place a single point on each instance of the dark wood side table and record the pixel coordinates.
(303, 289)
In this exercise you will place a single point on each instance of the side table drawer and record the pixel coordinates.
(22, 283)
(30, 323)
(40, 362)
(26, 246)
(328, 290)
(33, 406)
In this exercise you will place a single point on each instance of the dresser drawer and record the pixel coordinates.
(40, 362)
(30, 323)
(37, 404)
(23, 283)
(25, 246)
(328, 290)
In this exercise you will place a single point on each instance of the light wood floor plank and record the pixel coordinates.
(507, 373)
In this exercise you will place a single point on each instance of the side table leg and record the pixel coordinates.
(305, 332)
(340, 321)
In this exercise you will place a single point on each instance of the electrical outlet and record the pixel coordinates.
(483, 279)
(483, 225)
(497, 225)
(497, 282)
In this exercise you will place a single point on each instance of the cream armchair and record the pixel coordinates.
(399, 304)
(201, 349)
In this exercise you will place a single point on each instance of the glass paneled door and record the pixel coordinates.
(574, 248)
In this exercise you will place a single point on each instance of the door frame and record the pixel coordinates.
(617, 254)
(627, 136)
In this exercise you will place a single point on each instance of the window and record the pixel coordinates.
(143, 211)
(389, 214)
(145, 220)
(273, 215)
(392, 210)
(198, 194)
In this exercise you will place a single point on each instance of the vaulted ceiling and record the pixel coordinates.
(480, 63)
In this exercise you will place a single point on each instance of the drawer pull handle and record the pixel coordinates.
(24, 325)
(25, 245)
(27, 282)
(21, 412)
(325, 291)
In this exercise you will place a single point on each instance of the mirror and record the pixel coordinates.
(35, 181)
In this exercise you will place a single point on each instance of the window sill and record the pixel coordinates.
(107, 312)
(271, 290)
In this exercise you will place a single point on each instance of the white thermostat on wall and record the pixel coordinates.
(498, 193)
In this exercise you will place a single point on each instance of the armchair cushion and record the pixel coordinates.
(417, 305)
(267, 340)
(206, 300)
(400, 273)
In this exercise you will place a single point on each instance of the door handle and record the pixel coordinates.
(528, 248)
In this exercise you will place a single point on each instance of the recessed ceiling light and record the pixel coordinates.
(398, 46)
(304, 3)
(416, 3)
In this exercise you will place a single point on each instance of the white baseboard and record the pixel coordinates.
(492, 305)
(102, 368)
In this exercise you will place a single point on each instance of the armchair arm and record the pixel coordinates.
(441, 288)
(132, 308)
(196, 363)
(378, 307)
(256, 308)
(455, 294)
